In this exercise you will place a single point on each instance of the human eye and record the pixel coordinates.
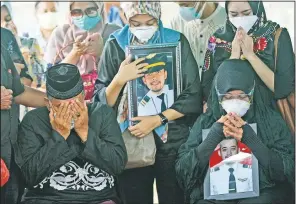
(233, 14)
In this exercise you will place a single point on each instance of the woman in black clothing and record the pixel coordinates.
(272, 145)
(116, 71)
(249, 35)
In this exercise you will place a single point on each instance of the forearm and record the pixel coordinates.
(206, 148)
(26, 81)
(31, 98)
(113, 91)
(172, 114)
(269, 160)
(71, 58)
(265, 73)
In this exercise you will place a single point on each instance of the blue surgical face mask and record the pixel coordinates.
(189, 13)
(86, 23)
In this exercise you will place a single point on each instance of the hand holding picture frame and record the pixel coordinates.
(161, 84)
(233, 171)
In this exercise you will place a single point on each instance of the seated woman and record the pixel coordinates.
(81, 40)
(250, 36)
(233, 87)
(145, 27)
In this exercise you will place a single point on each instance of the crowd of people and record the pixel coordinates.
(62, 87)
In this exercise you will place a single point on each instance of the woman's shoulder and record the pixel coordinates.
(109, 29)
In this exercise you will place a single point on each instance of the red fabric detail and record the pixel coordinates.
(260, 45)
(4, 173)
(216, 158)
(89, 81)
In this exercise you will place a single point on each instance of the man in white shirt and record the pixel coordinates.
(198, 20)
(230, 176)
(160, 97)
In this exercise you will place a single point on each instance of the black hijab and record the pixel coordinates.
(262, 33)
(271, 128)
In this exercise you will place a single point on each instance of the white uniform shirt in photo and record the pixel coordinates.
(219, 178)
(151, 103)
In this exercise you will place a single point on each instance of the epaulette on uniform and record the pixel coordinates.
(145, 100)
(215, 169)
(247, 166)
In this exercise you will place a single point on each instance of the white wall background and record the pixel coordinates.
(280, 12)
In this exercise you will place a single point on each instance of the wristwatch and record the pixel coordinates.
(164, 120)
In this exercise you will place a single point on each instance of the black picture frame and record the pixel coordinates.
(173, 51)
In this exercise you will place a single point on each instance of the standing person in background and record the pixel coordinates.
(248, 35)
(116, 14)
(116, 69)
(47, 17)
(198, 20)
(11, 41)
(13, 93)
(80, 41)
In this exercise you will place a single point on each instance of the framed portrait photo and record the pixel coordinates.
(233, 171)
(157, 90)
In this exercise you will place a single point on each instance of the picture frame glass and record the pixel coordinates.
(232, 172)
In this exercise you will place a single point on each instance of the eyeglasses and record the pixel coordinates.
(7, 18)
(90, 12)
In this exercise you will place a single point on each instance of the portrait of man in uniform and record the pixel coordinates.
(234, 173)
(159, 96)
(159, 93)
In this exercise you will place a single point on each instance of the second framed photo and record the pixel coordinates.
(233, 171)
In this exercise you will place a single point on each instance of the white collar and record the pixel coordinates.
(164, 90)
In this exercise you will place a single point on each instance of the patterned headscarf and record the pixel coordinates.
(100, 5)
(141, 7)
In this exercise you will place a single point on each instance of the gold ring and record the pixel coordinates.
(78, 115)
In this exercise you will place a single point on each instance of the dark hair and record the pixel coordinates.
(231, 138)
(37, 3)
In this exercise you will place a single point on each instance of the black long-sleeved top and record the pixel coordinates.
(56, 169)
(194, 157)
(9, 42)
(189, 102)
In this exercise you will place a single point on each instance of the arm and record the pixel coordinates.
(71, 58)
(104, 147)
(284, 81)
(41, 157)
(263, 71)
(107, 89)
(189, 102)
(273, 159)
(194, 155)
(26, 98)
(16, 55)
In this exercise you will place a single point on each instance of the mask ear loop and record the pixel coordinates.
(251, 94)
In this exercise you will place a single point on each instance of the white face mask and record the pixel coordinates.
(190, 13)
(143, 33)
(48, 20)
(239, 107)
(246, 22)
